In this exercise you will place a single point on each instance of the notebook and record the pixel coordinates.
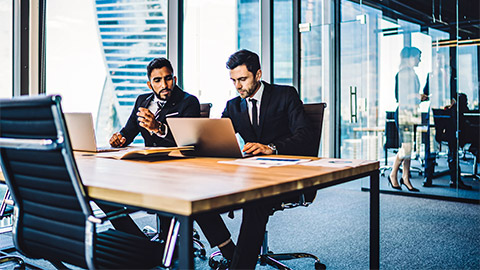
(211, 137)
(82, 133)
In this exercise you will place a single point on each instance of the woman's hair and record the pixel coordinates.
(408, 52)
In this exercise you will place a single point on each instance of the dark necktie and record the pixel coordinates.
(254, 113)
(160, 105)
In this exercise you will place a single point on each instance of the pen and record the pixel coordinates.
(339, 161)
(277, 159)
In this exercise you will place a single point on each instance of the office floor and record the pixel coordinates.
(441, 185)
(415, 233)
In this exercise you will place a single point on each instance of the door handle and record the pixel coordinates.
(353, 104)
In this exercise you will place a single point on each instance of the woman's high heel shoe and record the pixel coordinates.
(409, 189)
(390, 183)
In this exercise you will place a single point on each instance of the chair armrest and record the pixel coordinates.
(110, 215)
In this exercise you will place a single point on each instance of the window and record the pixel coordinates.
(6, 48)
(97, 53)
(213, 30)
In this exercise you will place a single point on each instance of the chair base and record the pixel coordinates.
(273, 259)
(12, 258)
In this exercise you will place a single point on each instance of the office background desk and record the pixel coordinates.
(191, 186)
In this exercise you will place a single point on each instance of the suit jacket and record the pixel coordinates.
(180, 104)
(282, 121)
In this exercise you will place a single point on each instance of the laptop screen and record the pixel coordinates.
(211, 137)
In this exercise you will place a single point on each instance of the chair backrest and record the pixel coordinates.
(444, 125)
(205, 110)
(37, 161)
(391, 131)
(315, 112)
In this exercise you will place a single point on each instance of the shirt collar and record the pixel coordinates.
(156, 99)
(259, 93)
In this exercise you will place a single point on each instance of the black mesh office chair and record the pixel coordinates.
(53, 219)
(315, 115)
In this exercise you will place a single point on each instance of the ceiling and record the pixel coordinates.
(438, 14)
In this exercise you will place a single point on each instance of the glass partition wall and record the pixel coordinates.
(401, 64)
(403, 74)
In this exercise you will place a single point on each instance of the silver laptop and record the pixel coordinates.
(211, 137)
(82, 133)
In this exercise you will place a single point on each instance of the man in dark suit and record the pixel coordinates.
(149, 118)
(271, 120)
(151, 110)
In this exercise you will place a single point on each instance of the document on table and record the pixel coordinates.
(334, 162)
(144, 152)
(265, 162)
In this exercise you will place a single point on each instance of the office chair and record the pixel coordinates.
(205, 110)
(445, 133)
(392, 142)
(314, 114)
(53, 219)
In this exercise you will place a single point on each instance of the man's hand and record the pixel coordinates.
(147, 120)
(257, 148)
(424, 97)
(117, 140)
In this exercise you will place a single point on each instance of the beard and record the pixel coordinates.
(252, 90)
(159, 96)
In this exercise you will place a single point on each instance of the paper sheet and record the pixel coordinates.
(265, 162)
(334, 162)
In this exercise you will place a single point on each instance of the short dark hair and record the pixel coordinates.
(159, 62)
(244, 57)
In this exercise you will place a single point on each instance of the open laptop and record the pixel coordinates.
(211, 137)
(82, 133)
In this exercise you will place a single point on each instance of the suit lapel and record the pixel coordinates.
(147, 101)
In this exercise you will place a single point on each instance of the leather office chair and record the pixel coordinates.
(315, 114)
(205, 110)
(53, 219)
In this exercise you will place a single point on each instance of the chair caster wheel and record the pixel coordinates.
(320, 266)
(196, 235)
(200, 253)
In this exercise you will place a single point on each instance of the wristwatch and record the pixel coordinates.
(161, 130)
(273, 148)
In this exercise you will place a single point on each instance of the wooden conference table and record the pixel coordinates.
(190, 186)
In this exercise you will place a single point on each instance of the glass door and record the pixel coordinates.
(359, 139)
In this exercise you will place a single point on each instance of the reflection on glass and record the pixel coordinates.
(407, 87)
(213, 30)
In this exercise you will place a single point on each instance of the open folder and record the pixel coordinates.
(144, 152)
